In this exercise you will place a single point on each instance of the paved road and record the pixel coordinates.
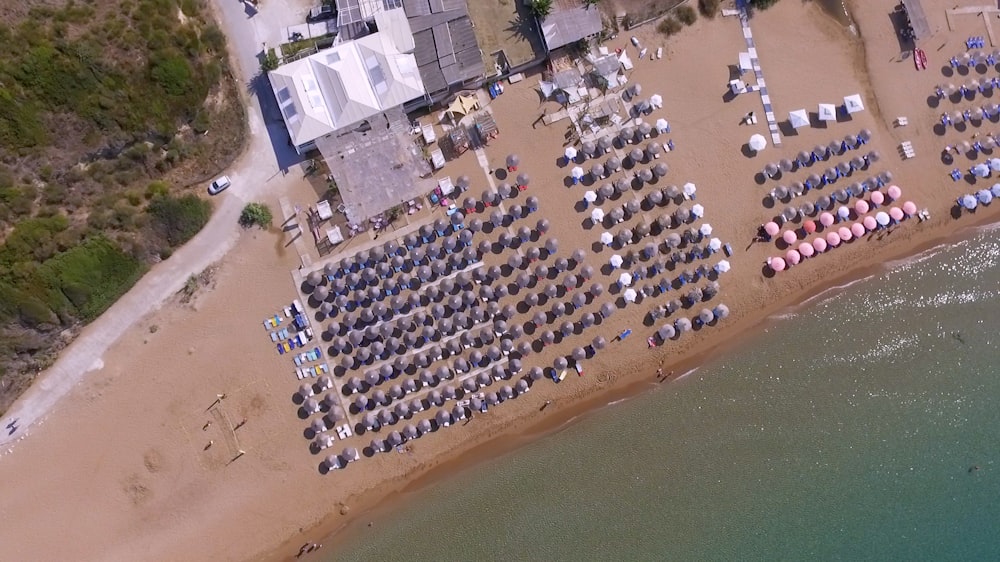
(258, 169)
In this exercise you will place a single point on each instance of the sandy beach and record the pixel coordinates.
(140, 462)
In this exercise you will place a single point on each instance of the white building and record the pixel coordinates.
(340, 87)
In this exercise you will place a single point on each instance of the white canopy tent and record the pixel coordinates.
(798, 118)
(853, 103)
(827, 112)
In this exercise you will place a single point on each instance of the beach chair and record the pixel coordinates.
(324, 368)
(274, 336)
(902, 121)
(907, 149)
(956, 175)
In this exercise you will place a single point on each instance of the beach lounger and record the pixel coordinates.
(956, 175)
(274, 336)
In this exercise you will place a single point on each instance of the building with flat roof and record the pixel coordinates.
(340, 87)
(446, 48)
(570, 21)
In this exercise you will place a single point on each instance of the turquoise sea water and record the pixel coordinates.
(845, 432)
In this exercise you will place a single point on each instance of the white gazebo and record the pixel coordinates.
(827, 112)
(798, 118)
(853, 103)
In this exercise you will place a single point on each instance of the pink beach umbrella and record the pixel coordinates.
(845, 234)
(858, 229)
(826, 219)
(777, 264)
(833, 239)
(861, 207)
(896, 213)
(878, 197)
(909, 208)
(819, 244)
(789, 237)
(806, 249)
(772, 228)
(793, 257)
(894, 192)
(870, 223)
(809, 226)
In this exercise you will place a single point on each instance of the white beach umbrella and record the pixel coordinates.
(662, 125)
(629, 295)
(827, 112)
(757, 142)
(590, 196)
(607, 238)
(706, 229)
(570, 153)
(698, 211)
(656, 100)
(690, 189)
(616, 260)
(625, 279)
(577, 172)
(853, 103)
(715, 244)
(798, 118)
(597, 215)
(722, 266)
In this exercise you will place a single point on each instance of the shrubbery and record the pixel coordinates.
(686, 15)
(178, 219)
(669, 26)
(256, 214)
(708, 8)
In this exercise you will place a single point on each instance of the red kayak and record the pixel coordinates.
(920, 59)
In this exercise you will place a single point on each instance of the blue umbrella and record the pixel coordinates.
(984, 196)
(967, 201)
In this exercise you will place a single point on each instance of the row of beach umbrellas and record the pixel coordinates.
(834, 238)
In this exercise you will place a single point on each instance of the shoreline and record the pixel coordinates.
(336, 531)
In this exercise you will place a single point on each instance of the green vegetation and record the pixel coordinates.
(540, 8)
(256, 214)
(104, 108)
(761, 4)
(669, 26)
(178, 219)
(708, 8)
(270, 61)
(686, 15)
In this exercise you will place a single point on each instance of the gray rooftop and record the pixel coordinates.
(915, 12)
(568, 25)
(446, 49)
(376, 168)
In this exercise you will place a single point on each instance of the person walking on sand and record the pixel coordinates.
(207, 425)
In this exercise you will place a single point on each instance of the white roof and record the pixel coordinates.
(344, 85)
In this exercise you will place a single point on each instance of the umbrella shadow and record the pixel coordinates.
(500, 173)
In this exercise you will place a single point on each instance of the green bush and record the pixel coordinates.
(172, 73)
(669, 26)
(256, 214)
(686, 15)
(178, 219)
(156, 188)
(708, 8)
(91, 277)
(540, 8)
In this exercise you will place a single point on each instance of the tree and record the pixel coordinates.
(256, 214)
(540, 8)
(270, 61)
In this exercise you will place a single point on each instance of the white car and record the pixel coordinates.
(219, 185)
